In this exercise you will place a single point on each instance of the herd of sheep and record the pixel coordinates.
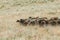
(39, 21)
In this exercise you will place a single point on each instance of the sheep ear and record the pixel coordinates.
(30, 17)
(17, 21)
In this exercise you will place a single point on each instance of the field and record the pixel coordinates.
(11, 10)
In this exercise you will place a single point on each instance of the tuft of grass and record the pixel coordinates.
(53, 13)
(2, 6)
(51, 0)
(29, 37)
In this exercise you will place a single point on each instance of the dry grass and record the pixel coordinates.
(11, 30)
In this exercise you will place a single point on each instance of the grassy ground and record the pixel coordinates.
(12, 10)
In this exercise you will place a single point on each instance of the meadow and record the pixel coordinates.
(12, 10)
